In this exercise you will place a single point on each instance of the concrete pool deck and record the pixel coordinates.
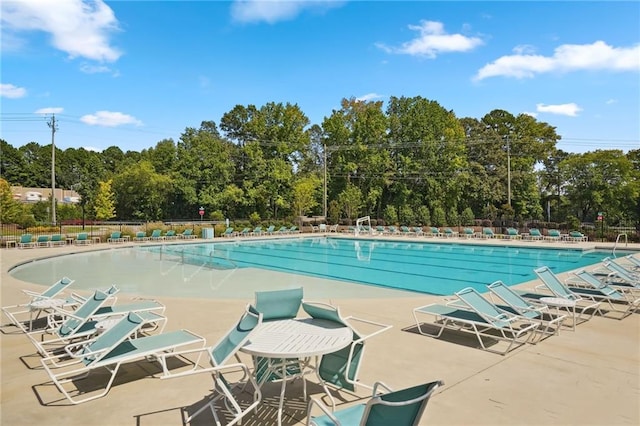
(590, 376)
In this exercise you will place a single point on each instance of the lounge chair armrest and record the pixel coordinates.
(377, 385)
(382, 327)
(326, 410)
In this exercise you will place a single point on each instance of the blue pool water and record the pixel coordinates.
(440, 269)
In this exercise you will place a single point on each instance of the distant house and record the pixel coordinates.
(33, 195)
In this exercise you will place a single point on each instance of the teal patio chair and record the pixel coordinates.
(517, 305)
(187, 234)
(74, 325)
(57, 240)
(109, 351)
(553, 284)
(473, 314)
(535, 234)
(156, 235)
(450, 233)
(283, 230)
(220, 355)
(26, 241)
(140, 237)
(398, 408)
(576, 237)
(487, 233)
(276, 305)
(622, 275)
(82, 238)
(589, 286)
(553, 235)
(341, 368)
(245, 232)
(116, 237)
(468, 233)
(434, 231)
(293, 230)
(512, 234)
(170, 235)
(22, 314)
(270, 230)
(43, 241)
(228, 233)
(404, 230)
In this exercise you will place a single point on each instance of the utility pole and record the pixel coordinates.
(324, 198)
(508, 172)
(52, 124)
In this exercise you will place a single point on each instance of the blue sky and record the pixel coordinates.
(130, 74)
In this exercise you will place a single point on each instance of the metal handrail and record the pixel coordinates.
(626, 242)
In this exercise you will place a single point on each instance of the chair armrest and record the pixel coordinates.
(326, 410)
(376, 385)
(383, 327)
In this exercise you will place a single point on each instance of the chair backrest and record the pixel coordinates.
(283, 228)
(339, 368)
(26, 238)
(535, 232)
(487, 231)
(56, 237)
(279, 304)
(56, 288)
(271, 228)
(189, 231)
(82, 236)
(553, 233)
(576, 234)
(43, 239)
(228, 345)
(487, 310)
(595, 283)
(512, 298)
(512, 231)
(468, 231)
(83, 313)
(448, 231)
(620, 271)
(293, 228)
(554, 284)
(156, 233)
(403, 407)
(141, 234)
(109, 340)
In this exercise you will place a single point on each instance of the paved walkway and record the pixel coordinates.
(590, 376)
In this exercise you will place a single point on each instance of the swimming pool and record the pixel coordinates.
(215, 269)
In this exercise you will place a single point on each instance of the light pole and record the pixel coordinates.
(53, 126)
(324, 197)
(508, 172)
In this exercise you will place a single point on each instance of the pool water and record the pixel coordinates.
(326, 267)
(440, 269)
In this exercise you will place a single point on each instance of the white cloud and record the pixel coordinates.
(272, 11)
(92, 148)
(109, 119)
(80, 28)
(566, 58)
(50, 110)
(611, 101)
(368, 97)
(570, 109)
(94, 69)
(433, 40)
(532, 114)
(12, 92)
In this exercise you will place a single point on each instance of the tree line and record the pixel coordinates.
(413, 163)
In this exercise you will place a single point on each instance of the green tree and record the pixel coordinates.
(11, 210)
(141, 193)
(350, 201)
(304, 198)
(104, 203)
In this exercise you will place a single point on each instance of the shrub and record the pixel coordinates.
(467, 216)
(423, 217)
(438, 218)
(390, 214)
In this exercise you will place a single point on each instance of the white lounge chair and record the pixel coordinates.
(22, 315)
(108, 351)
(474, 314)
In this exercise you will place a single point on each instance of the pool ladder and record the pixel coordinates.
(626, 242)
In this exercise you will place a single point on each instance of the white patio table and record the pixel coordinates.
(300, 338)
